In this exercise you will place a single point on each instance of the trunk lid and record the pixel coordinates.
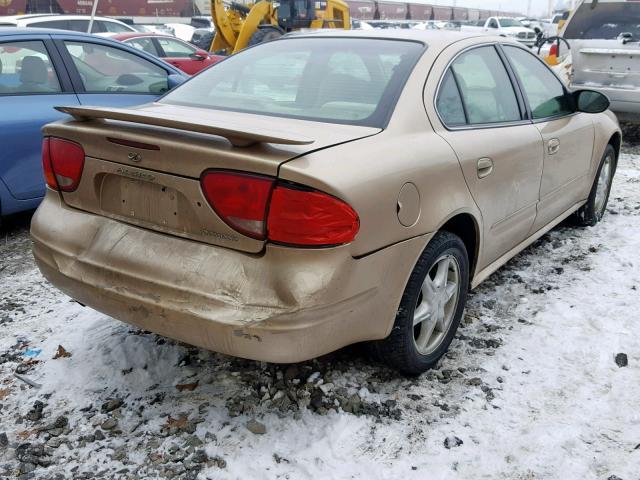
(143, 164)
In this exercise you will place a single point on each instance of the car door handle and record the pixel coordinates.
(553, 146)
(485, 167)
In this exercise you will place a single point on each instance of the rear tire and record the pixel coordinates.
(593, 211)
(265, 34)
(431, 307)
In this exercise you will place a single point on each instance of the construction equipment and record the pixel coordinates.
(238, 26)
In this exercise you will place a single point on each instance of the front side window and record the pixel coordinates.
(105, 69)
(485, 87)
(344, 80)
(25, 68)
(175, 48)
(543, 90)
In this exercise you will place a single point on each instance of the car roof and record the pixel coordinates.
(43, 31)
(126, 36)
(439, 39)
(15, 18)
(39, 16)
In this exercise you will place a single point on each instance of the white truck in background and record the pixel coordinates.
(505, 27)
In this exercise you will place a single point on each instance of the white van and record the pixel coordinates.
(77, 23)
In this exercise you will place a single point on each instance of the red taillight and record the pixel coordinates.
(296, 215)
(62, 162)
(239, 199)
(310, 218)
(553, 51)
(49, 176)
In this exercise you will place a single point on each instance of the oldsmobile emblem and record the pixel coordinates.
(134, 157)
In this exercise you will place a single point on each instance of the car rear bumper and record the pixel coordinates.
(283, 305)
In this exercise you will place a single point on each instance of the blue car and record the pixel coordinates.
(41, 69)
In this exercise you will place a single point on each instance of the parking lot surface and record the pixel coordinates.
(540, 382)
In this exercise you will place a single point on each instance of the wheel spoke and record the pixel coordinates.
(429, 291)
(426, 330)
(443, 272)
(422, 314)
(450, 290)
(440, 320)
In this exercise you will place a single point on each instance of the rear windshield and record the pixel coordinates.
(604, 21)
(339, 80)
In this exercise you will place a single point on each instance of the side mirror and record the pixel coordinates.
(199, 55)
(590, 101)
(174, 80)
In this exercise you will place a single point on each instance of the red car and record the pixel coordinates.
(177, 52)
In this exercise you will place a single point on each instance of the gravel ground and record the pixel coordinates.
(540, 382)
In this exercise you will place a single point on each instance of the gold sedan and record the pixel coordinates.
(320, 190)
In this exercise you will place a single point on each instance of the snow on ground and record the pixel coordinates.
(530, 388)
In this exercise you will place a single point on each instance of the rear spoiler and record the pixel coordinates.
(238, 135)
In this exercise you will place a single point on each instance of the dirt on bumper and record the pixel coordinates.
(283, 305)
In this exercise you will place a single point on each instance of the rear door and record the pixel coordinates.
(499, 150)
(568, 136)
(105, 75)
(32, 82)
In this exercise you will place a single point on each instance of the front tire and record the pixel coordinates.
(593, 211)
(431, 307)
(265, 34)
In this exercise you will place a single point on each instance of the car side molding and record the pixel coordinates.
(238, 135)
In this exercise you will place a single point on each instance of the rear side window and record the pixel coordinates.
(79, 25)
(449, 103)
(145, 44)
(344, 80)
(485, 87)
(25, 68)
(56, 24)
(604, 21)
(105, 69)
(544, 92)
(113, 27)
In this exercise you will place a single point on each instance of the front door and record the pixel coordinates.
(499, 151)
(31, 85)
(568, 136)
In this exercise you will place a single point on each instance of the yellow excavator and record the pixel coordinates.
(239, 26)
